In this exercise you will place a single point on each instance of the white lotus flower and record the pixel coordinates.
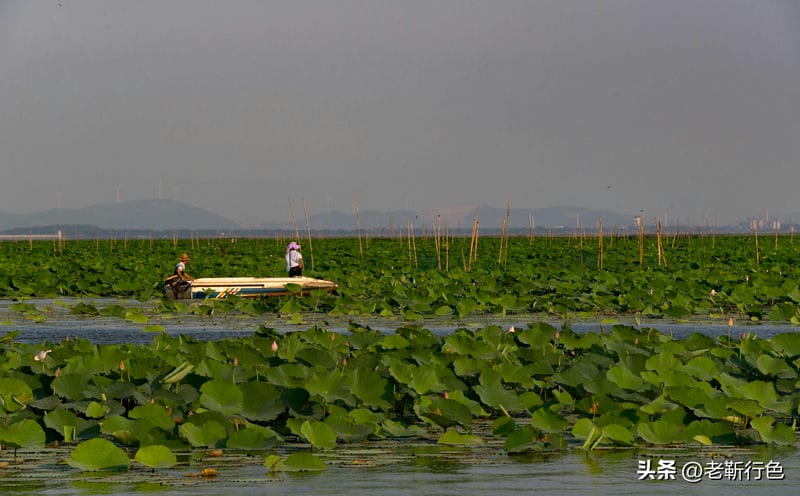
(41, 355)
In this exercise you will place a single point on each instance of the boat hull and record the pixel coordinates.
(249, 287)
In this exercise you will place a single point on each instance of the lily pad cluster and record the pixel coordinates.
(542, 388)
(426, 278)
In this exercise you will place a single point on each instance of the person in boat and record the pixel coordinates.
(294, 260)
(180, 268)
(179, 282)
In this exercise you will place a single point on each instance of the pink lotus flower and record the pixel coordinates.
(713, 292)
(274, 346)
(511, 329)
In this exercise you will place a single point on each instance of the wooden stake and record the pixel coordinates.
(308, 232)
(358, 230)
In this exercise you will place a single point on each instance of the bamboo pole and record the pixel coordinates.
(641, 241)
(437, 241)
(775, 225)
(473, 244)
(531, 229)
(446, 247)
(294, 220)
(755, 232)
(358, 230)
(600, 244)
(308, 232)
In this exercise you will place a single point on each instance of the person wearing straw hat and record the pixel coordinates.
(180, 268)
(178, 284)
(294, 260)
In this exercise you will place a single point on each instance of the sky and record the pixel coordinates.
(682, 110)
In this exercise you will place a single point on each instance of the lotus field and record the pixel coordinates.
(528, 388)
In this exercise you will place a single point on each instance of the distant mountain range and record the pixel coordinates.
(170, 215)
(162, 215)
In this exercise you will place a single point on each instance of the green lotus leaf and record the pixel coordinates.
(659, 405)
(369, 387)
(444, 412)
(204, 434)
(318, 434)
(475, 407)
(624, 378)
(296, 462)
(443, 311)
(783, 311)
(774, 433)
(221, 396)
(253, 438)
(393, 428)
(498, 397)
(455, 438)
(121, 428)
(547, 421)
(292, 306)
(584, 429)
(503, 426)
(618, 433)
(394, 342)
(98, 455)
(113, 311)
(702, 368)
(787, 343)
(662, 432)
(136, 317)
(154, 414)
(331, 386)
(769, 365)
(426, 380)
(70, 386)
(348, 430)
(717, 432)
(748, 408)
(25, 433)
(760, 391)
(156, 456)
(261, 401)
(66, 423)
(316, 357)
(537, 335)
(81, 308)
(703, 439)
(14, 394)
(523, 439)
(153, 328)
(96, 410)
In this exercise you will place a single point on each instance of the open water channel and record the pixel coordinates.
(393, 468)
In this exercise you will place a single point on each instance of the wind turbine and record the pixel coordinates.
(116, 193)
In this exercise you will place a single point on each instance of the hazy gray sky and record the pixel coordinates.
(689, 107)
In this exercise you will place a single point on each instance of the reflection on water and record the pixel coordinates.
(436, 471)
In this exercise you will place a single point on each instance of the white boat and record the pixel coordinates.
(246, 287)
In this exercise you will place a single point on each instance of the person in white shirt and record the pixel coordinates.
(294, 260)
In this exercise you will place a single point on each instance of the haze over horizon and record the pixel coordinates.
(690, 109)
